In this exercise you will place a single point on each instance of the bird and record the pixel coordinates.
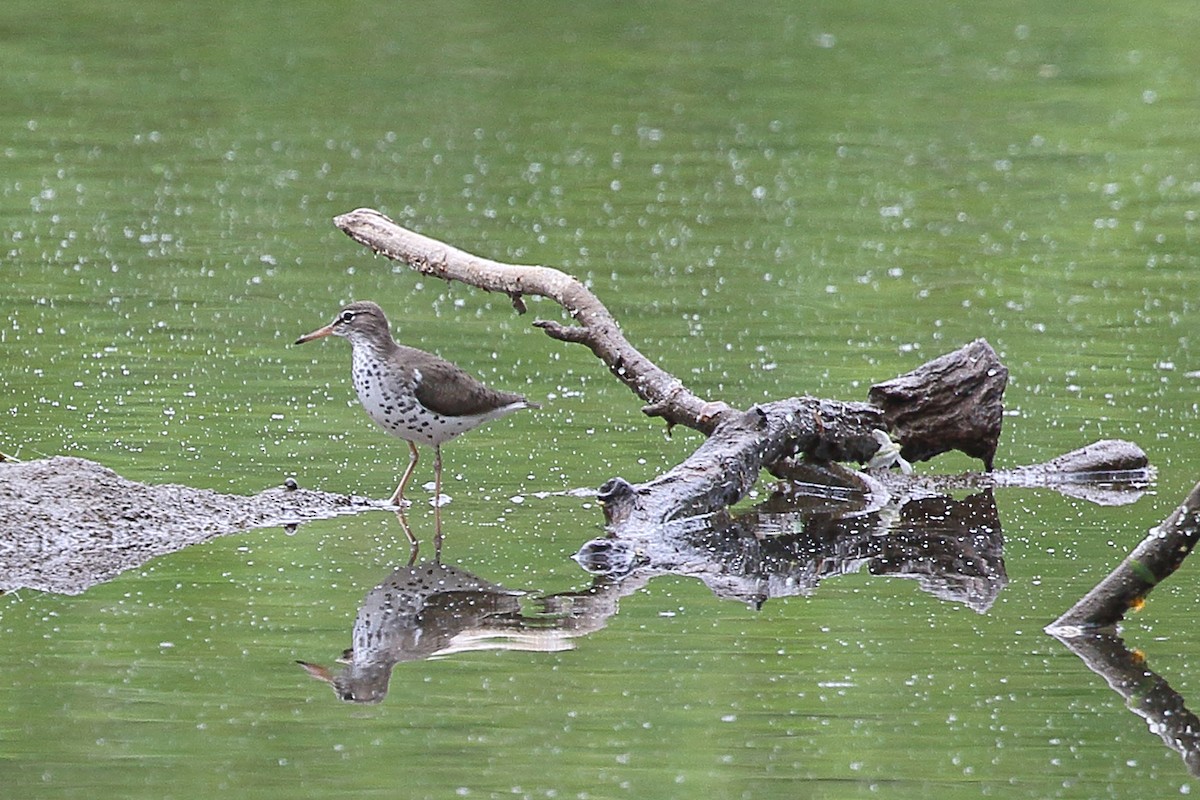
(416, 396)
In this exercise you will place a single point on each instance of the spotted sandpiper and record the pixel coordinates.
(416, 396)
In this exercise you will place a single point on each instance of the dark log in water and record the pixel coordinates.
(722, 470)
(955, 402)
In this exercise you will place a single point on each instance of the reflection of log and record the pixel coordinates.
(952, 548)
(1145, 692)
(1150, 563)
(70, 523)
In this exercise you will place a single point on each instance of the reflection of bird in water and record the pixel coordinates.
(423, 611)
(417, 396)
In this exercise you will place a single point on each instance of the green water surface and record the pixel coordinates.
(774, 198)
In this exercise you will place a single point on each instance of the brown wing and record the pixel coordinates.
(452, 392)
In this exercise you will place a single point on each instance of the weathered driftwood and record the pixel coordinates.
(955, 402)
(1151, 562)
(69, 523)
(722, 470)
(952, 402)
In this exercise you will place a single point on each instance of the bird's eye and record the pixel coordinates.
(347, 316)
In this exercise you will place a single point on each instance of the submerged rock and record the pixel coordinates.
(69, 523)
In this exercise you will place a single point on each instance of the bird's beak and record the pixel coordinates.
(317, 671)
(317, 334)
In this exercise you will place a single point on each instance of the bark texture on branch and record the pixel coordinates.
(1110, 472)
(954, 402)
(722, 470)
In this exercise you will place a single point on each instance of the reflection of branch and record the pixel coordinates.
(953, 548)
(1081, 629)
(1145, 692)
(1150, 563)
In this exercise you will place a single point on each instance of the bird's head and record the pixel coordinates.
(361, 321)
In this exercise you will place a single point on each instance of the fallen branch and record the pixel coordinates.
(952, 402)
(722, 470)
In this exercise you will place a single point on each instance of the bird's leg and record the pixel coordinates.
(437, 496)
(414, 546)
(398, 495)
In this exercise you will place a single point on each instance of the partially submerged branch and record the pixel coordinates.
(928, 405)
(952, 402)
(1151, 562)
